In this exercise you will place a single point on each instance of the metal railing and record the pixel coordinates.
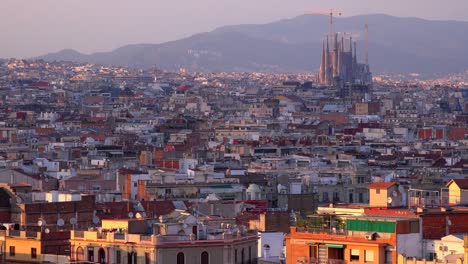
(322, 230)
(311, 260)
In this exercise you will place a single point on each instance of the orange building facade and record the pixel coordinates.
(310, 247)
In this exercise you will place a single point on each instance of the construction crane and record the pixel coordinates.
(332, 13)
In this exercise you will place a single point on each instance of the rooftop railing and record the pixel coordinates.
(322, 230)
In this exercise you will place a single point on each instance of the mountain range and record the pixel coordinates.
(396, 45)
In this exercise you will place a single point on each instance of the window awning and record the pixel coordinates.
(334, 245)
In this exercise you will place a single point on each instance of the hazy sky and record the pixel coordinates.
(34, 27)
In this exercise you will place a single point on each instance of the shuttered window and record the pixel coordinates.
(370, 226)
(369, 256)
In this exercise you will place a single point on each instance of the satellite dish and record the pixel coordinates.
(394, 193)
(449, 223)
(19, 200)
(60, 222)
(96, 220)
(138, 216)
(389, 200)
(130, 215)
(73, 221)
(41, 223)
(47, 230)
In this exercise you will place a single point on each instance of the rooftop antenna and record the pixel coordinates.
(73, 222)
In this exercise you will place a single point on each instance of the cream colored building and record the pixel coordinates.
(178, 238)
(458, 191)
(385, 194)
(32, 247)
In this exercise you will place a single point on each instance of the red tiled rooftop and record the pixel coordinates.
(20, 184)
(381, 185)
(183, 88)
(462, 183)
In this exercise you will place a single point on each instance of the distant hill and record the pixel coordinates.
(397, 45)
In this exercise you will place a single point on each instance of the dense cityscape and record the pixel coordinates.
(113, 164)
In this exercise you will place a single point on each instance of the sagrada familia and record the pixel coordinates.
(339, 66)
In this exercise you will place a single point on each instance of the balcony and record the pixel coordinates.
(221, 238)
(331, 231)
(311, 260)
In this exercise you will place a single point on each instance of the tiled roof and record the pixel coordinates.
(381, 185)
(462, 183)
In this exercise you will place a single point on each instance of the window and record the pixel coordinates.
(91, 254)
(205, 258)
(235, 256)
(242, 256)
(12, 251)
(388, 257)
(180, 258)
(313, 252)
(369, 256)
(336, 196)
(325, 197)
(132, 257)
(80, 254)
(118, 257)
(101, 256)
(33, 253)
(147, 258)
(354, 255)
(361, 197)
(250, 255)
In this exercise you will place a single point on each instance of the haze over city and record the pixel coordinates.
(234, 132)
(33, 28)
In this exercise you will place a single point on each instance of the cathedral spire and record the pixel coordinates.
(335, 57)
(355, 54)
(322, 64)
(340, 59)
(342, 44)
(327, 64)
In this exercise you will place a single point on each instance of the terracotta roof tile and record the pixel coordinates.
(462, 183)
(381, 185)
